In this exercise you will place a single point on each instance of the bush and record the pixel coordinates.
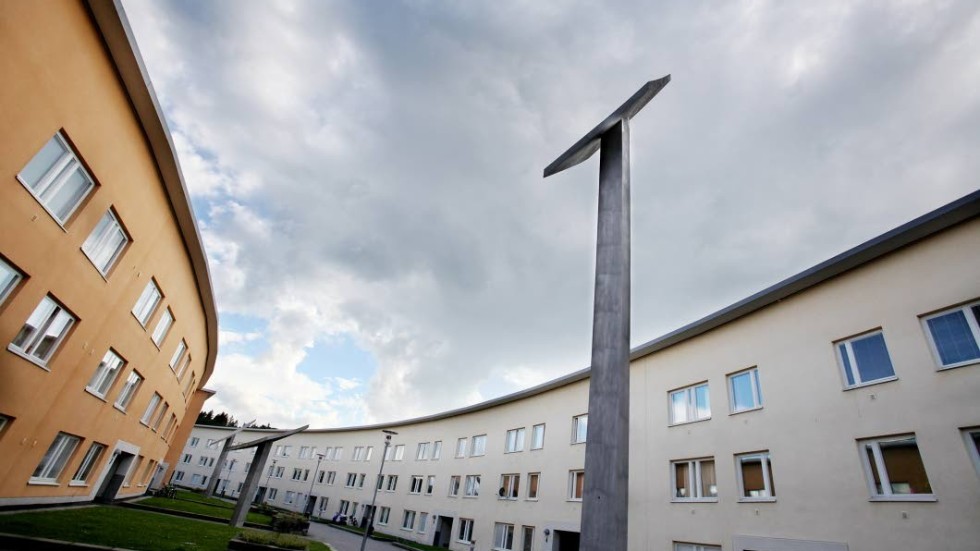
(269, 538)
(289, 522)
(265, 509)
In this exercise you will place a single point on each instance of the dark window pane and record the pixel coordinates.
(953, 338)
(903, 464)
(872, 358)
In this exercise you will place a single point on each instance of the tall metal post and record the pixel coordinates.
(374, 498)
(251, 483)
(605, 503)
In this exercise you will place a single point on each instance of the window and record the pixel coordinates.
(580, 428)
(273, 492)
(744, 393)
(695, 547)
(894, 469)
(290, 497)
(532, 485)
(381, 481)
(430, 484)
(422, 453)
(576, 485)
(161, 413)
(106, 242)
(392, 482)
(147, 303)
(360, 479)
(91, 459)
(864, 360)
(178, 475)
(338, 453)
(298, 474)
(357, 455)
(203, 461)
(436, 450)
(197, 480)
(190, 385)
(694, 480)
(755, 481)
(689, 404)
(163, 327)
(514, 441)
(369, 453)
(150, 408)
(537, 437)
(57, 179)
(43, 332)
(105, 374)
(423, 521)
(408, 520)
(416, 485)
(9, 277)
(399, 452)
(472, 488)
(972, 439)
(186, 458)
(54, 460)
(527, 539)
(954, 335)
(383, 516)
(171, 426)
(479, 445)
(465, 534)
(178, 355)
(351, 480)
(509, 486)
(503, 536)
(133, 383)
(453, 486)
(331, 477)
(305, 452)
(279, 472)
(194, 442)
(461, 447)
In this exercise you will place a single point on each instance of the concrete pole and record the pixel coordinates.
(606, 497)
(251, 483)
(218, 467)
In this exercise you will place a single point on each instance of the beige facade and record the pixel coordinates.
(93, 215)
(836, 410)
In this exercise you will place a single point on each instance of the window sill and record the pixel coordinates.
(696, 500)
(530, 499)
(506, 499)
(682, 423)
(513, 451)
(757, 500)
(956, 365)
(17, 352)
(143, 325)
(45, 207)
(573, 500)
(928, 498)
(93, 393)
(470, 497)
(872, 383)
(42, 482)
(577, 443)
(120, 408)
(75, 484)
(747, 410)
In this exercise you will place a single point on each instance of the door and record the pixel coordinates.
(444, 532)
(115, 475)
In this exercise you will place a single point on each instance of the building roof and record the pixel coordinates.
(110, 19)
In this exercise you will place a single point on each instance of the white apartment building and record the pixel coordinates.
(836, 410)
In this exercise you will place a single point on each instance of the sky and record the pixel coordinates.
(367, 175)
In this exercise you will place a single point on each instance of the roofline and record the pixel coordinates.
(962, 210)
(110, 19)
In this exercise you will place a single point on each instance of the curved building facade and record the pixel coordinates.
(833, 411)
(107, 319)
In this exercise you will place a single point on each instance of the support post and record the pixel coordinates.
(251, 483)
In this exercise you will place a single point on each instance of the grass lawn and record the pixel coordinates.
(132, 529)
(221, 509)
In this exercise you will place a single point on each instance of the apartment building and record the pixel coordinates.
(835, 410)
(107, 318)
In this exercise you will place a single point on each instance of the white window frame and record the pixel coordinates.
(460, 447)
(572, 484)
(151, 408)
(971, 321)
(694, 481)
(417, 485)
(392, 483)
(399, 452)
(87, 466)
(408, 520)
(479, 446)
(430, 484)
(95, 246)
(471, 487)
(580, 428)
(178, 355)
(455, 483)
(684, 546)
(887, 493)
(194, 441)
(514, 440)
(502, 532)
(52, 312)
(369, 453)
(148, 302)
(465, 532)
(536, 486)
(423, 522)
(851, 360)
(186, 458)
(537, 436)
(10, 277)
(756, 388)
(422, 451)
(690, 395)
(162, 328)
(766, 465)
(272, 493)
(971, 446)
(383, 515)
(178, 476)
(55, 459)
(132, 385)
(436, 450)
(351, 480)
(510, 484)
(105, 375)
(55, 177)
(331, 478)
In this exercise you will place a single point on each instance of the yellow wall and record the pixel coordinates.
(57, 75)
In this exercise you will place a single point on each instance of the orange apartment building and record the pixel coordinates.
(108, 324)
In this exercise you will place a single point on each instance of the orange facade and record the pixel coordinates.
(92, 210)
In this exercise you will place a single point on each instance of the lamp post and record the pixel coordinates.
(388, 435)
(319, 458)
(268, 481)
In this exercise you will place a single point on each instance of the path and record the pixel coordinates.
(342, 540)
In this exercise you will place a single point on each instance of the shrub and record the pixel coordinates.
(289, 522)
(270, 538)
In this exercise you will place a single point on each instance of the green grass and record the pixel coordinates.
(132, 529)
(220, 509)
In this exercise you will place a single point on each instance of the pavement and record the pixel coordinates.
(341, 540)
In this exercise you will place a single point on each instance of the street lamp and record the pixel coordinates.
(268, 480)
(367, 529)
(319, 458)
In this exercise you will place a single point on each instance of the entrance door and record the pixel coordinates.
(444, 532)
(566, 541)
(310, 504)
(115, 475)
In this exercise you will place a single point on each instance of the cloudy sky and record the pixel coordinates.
(367, 174)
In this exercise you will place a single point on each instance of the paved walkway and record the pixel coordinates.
(342, 540)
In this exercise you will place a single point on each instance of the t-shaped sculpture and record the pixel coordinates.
(606, 498)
